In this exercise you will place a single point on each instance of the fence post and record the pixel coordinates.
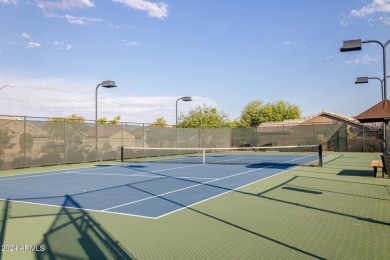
(363, 140)
(65, 141)
(122, 134)
(143, 135)
(24, 140)
(313, 140)
(346, 136)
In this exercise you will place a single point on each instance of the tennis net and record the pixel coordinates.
(273, 155)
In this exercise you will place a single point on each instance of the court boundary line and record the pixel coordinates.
(235, 189)
(81, 209)
(196, 185)
(76, 171)
(134, 215)
(143, 216)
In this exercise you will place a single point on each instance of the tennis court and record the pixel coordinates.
(338, 211)
(149, 190)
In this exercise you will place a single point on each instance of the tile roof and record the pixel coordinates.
(275, 127)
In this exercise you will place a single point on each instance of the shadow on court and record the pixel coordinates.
(73, 234)
(361, 173)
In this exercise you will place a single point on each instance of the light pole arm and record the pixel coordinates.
(381, 81)
(384, 63)
(11, 86)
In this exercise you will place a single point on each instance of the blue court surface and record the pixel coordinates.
(149, 190)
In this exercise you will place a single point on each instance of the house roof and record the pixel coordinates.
(5, 122)
(376, 113)
(275, 127)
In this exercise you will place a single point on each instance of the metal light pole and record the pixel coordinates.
(104, 84)
(184, 99)
(356, 45)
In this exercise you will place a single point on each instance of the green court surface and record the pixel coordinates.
(338, 211)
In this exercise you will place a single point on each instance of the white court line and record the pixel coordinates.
(117, 174)
(196, 185)
(198, 202)
(55, 172)
(173, 191)
(189, 177)
(68, 207)
(34, 175)
(121, 165)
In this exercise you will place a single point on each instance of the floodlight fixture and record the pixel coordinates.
(186, 98)
(361, 80)
(351, 45)
(108, 84)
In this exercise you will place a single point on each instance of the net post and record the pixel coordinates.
(320, 155)
(204, 156)
(122, 154)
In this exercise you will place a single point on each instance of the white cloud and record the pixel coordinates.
(81, 20)
(59, 45)
(365, 59)
(344, 21)
(51, 97)
(328, 57)
(8, 2)
(130, 43)
(157, 10)
(25, 35)
(385, 20)
(73, 19)
(375, 6)
(33, 45)
(287, 42)
(65, 4)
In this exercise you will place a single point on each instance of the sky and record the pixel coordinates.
(222, 53)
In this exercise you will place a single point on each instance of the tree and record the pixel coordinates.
(114, 121)
(102, 121)
(251, 115)
(71, 129)
(5, 140)
(159, 122)
(279, 111)
(204, 117)
(256, 113)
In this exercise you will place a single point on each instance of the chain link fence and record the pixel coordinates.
(30, 142)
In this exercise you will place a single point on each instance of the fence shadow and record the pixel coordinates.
(74, 234)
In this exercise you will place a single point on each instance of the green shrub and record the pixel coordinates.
(74, 156)
(49, 159)
(370, 148)
(21, 162)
